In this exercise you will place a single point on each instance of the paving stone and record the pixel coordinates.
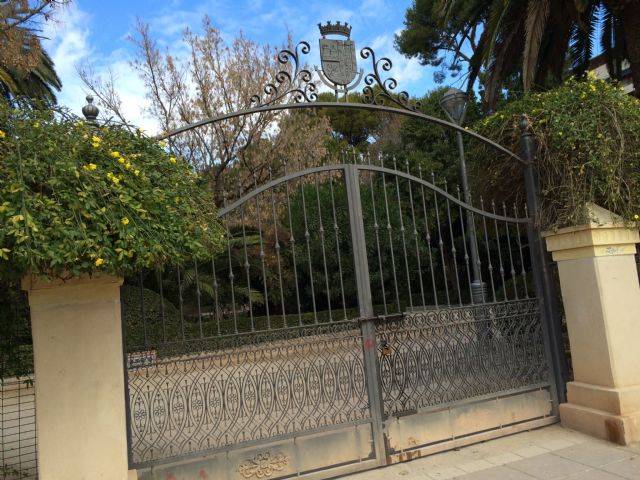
(593, 454)
(595, 474)
(532, 451)
(629, 468)
(556, 444)
(497, 473)
(475, 466)
(504, 458)
(548, 466)
(445, 474)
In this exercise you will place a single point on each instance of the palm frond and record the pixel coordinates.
(535, 24)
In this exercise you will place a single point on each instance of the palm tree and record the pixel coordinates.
(38, 82)
(25, 68)
(530, 41)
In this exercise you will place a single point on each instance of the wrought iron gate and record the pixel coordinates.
(345, 325)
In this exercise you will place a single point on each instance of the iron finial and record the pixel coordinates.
(90, 111)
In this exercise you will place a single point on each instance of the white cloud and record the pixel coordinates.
(69, 44)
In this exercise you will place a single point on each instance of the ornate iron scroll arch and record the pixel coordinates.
(386, 86)
(300, 85)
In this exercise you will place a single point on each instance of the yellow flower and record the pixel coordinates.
(127, 165)
(636, 216)
(2, 134)
(136, 172)
(120, 160)
(92, 166)
(99, 262)
(172, 159)
(115, 154)
(36, 125)
(599, 135)
(162, 143)
(124, 221)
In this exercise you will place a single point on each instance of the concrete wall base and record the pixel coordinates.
(623, 430)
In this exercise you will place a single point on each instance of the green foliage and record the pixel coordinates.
(429, 147)
(392, 252)
(589, 151)
(522, 46)
(355, 126)
(76, 199)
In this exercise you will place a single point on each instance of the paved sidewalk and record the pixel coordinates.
(548, 453)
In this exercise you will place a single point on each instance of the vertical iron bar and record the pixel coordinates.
(454, 251)
(523, 272)
(404, 240)
(393, 260)
(324, 255)
(231, 275)
(361, 266)
(376, 228)
(543, 278)
(198, 293)
(307, 236)
(262, 254)
(428, 239)
(277, 247)
(293, 247)
(464, 244)
(486, 244)
(336, 230)
(513, 270)
(162, 311)
(246, 261)
(181, 304)
(142, 313)
(440, 242)
(495, 224)
(415, 238)
(215, 294)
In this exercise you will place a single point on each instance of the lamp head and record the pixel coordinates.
(454, 103)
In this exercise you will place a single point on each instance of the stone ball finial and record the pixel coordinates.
(90, 111)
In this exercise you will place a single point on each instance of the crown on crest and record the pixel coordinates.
(337, 28)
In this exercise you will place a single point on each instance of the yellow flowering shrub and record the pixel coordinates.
(75, 199)
(588, 135)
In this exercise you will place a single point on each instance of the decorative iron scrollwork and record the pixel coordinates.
(379, 91)
(263, 465)
(297, 84)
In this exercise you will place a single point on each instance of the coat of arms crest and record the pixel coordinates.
(338, 58)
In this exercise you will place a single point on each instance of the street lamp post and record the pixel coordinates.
(454, 103)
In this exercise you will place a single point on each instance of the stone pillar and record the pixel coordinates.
(601, 299)
(79, 378)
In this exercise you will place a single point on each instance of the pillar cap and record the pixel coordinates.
(32, 282)
(605, 235)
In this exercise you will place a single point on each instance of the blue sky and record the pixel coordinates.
(94, 33)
